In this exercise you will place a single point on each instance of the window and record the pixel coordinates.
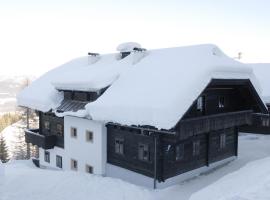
(222, 141)
(201, 104)
(89, 136)
(179, 152)
(58, 161)
(265, 122)
(196, 148)
(47, 156)
(221, 102)
(74, 164)
(89, 169)
(59, 129)
(119, 146)
(144, 153)
(47, 125)
(73, 132)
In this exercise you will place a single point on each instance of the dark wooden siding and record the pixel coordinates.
(210, 151)
(171, 167)
(53, 120)
(130, 160)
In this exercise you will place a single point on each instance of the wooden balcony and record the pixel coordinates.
(43, 141)
(199, 125)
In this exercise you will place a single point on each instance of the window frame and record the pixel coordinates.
(221, 102)
(196, 145)
(47, 125)
(118, 142)
(73, 132)
(47, 156)
(59, 161)
(61, 132)
(87, 167)
(74, 164)
(91, 134)
(222, 141)
(144, 153)
(179, 148)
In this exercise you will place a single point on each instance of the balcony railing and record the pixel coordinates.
(199, 125)
(43, 141)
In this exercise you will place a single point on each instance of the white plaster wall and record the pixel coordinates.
(85, 152)
(53, 152)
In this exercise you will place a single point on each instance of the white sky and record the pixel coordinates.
(36, 36)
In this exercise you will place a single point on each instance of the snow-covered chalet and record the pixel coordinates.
(150, 117)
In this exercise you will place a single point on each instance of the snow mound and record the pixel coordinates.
(250, 182)
(25, 182)
(128, 46)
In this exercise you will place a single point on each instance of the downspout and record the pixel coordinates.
(155, 161)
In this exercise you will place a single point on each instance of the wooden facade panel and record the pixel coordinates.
(53, 121)
(130, 159)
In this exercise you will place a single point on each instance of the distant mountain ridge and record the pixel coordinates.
(9, 88)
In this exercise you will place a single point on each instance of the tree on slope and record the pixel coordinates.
(3, 149)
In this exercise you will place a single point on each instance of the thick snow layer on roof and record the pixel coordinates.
(160, 88)
(77, 74)
(156, 89)
(262, 72)
(128, 46)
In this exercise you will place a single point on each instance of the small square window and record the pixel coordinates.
(89, 169)
(47, 156)
(74, 164)
(46, 125)
(59, 129)
(221, 102)
(89, 136)
(73, 132)
(196, 148)
(59, 161)
(179, 152)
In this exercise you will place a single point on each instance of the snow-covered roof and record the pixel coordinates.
(155, 90)
(262, 72)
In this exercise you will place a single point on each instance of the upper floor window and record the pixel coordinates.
(179, 152)
(221, 102)
(47, 156)
(59, 129)
(119, 146)
(222, 141)
(73, 132)
(144, 153)
(47, 125)
(89, 136)
(201, 104)
(196, 148)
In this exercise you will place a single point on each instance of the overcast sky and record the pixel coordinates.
(36, 36)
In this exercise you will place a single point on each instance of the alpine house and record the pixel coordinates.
(151, 117)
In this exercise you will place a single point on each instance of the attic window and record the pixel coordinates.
(124, 54)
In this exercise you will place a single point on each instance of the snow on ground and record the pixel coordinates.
(233, 181)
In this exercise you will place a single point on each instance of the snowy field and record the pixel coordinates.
(246, 178)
